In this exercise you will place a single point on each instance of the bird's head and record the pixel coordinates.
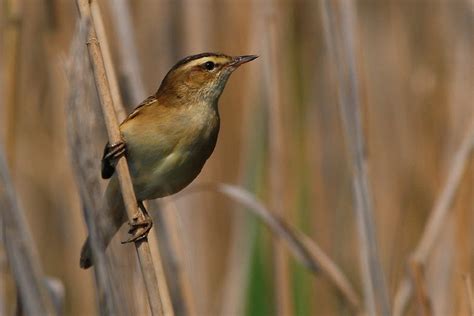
(200, 77)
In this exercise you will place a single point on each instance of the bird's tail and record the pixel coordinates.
(86, 255)
(108, 221)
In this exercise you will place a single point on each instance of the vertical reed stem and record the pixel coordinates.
(12, 41)
(80, 117)
(283, 297)
(340, 27)
(437, 217)
(105, 97)
(21, 252)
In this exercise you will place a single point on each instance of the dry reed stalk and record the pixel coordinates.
(22, 256)
(340, 33)
(102, 84)
(302, 247)
(108, 63)
(195, 21)
(423, 301)
(240, 253)
(134, 88)
(129, 64)
(469, 294)
(80, 120)
(437, 217)
(120, 109)
(160, 274)
(179, 256)
(133, 278)
(57, 291)
(283, 297)
(13, 16)
(3, 272)
(197, 26)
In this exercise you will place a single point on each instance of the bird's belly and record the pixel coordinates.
(172, 174)
(162, 176)
(163, 159)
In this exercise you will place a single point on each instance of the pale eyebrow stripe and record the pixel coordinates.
(202, 60)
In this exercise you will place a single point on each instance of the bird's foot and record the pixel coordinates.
(112, 154)
(138, 229)
(114, 151)
(139, 226)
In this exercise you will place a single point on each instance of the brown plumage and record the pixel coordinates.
(168, 137)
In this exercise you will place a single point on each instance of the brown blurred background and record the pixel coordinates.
(416, 72)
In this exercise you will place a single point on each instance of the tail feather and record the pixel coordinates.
(86, 255)
(108, 221)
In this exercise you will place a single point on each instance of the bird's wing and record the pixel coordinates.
(148, 101)
(108, 164)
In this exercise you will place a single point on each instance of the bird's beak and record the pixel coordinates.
(239, 60)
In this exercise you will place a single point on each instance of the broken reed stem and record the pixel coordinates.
(22, 256)
(437, 217)
(105, 97)
(340, 27)
(303, 248)
(81, 140)
(418, 276)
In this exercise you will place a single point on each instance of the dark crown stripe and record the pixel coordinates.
(194, 57)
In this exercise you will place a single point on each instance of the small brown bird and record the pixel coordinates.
(166, 139)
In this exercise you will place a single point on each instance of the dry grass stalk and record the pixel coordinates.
(160, 274)
(102, 84)
(302, 247)
(178, 252)
(129, 65)
(469, 294)
(240, 249)
(20, 248)
(108, 63)
(121, 111)
(418, 276)
(9, 72)
(12, 42)
(339, 25)
(134, 88)
(437, 217)
(283, 298)
(81, 141)
(58, 293)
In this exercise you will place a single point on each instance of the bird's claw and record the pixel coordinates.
(138, 229)
(112, 153)
(115, 151)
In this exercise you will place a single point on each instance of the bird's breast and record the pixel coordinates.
(164, 157)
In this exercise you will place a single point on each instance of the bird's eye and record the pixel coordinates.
(209, 65)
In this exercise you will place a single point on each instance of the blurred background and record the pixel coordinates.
(282, 138)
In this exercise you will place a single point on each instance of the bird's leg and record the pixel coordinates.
(140, 225)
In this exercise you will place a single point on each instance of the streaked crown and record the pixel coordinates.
(201, 76)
